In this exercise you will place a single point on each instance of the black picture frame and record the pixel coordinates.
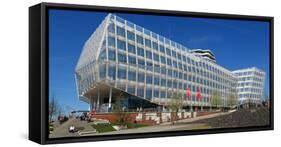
(38, 71)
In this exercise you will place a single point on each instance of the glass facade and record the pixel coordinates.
(155, 66)
(250, 87)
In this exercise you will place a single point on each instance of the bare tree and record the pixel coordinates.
(232, 100)
(176, 104)
(121, 114)
(54, 108)
(216, 99)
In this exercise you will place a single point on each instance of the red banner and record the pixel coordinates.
(198, 94)
(188, 93)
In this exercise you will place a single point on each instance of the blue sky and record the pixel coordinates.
(236, 44)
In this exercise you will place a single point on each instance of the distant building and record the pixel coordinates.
(147, 68)
(206, 54)
(250, 85)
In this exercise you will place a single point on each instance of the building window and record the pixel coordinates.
(170, 72)
(131, 89)
(148, 93)
(132, 75)
(120, 20)
(175, 74)
(149, 79)
(147, 43)
(148, 54)
(162, 49)
(185, 76)
(156, 81)
(146, 32)
(131, 48)
(189, 68)
(132, 60)
(163, 94)
(193, 88)
(167, 41)
(180, 85)
(130, 36)
(157, 68)
(154, 35)
(120, 31)
(121, 45)
(183, 58)
(122, 58)
(169, 61)
(140, 77)
(169, 83)
(163, 82)
(155, 45)
(139, 39)
(111, 28)
(138, 28)
(175, 64)
(174, 54)
(156, 93)
(180, 75)
(121, 73)
(185, 67)
(184, 86)
(179, 56)
(111, 72)
(163, 61)
(156, 57)
(111, 55)
(140, 51)
(173, 44)
(102, 55)
(161, 39)
(149, 66)
(188, 60)
(180, 66)
(141, 63)
(129, 24)
(163, 70)
(168, 51)
(111, 41)
(140, 91)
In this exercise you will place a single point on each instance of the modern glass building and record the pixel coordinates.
(250, 86)
(147, 68)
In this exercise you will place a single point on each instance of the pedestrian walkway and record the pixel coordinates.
(184, 124)
(178, 125)
(201, 117)
(62, 130)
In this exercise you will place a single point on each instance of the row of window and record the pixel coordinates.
(140, 78)
(247, 95)
(257, 79)
(140, 51)
(254, 84)
(249, 90)
(148, 65)
(247, 73)
(142, 30)
(147, 93)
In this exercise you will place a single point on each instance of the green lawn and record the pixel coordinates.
(103, 127)
(132, 125)
(108, 127)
